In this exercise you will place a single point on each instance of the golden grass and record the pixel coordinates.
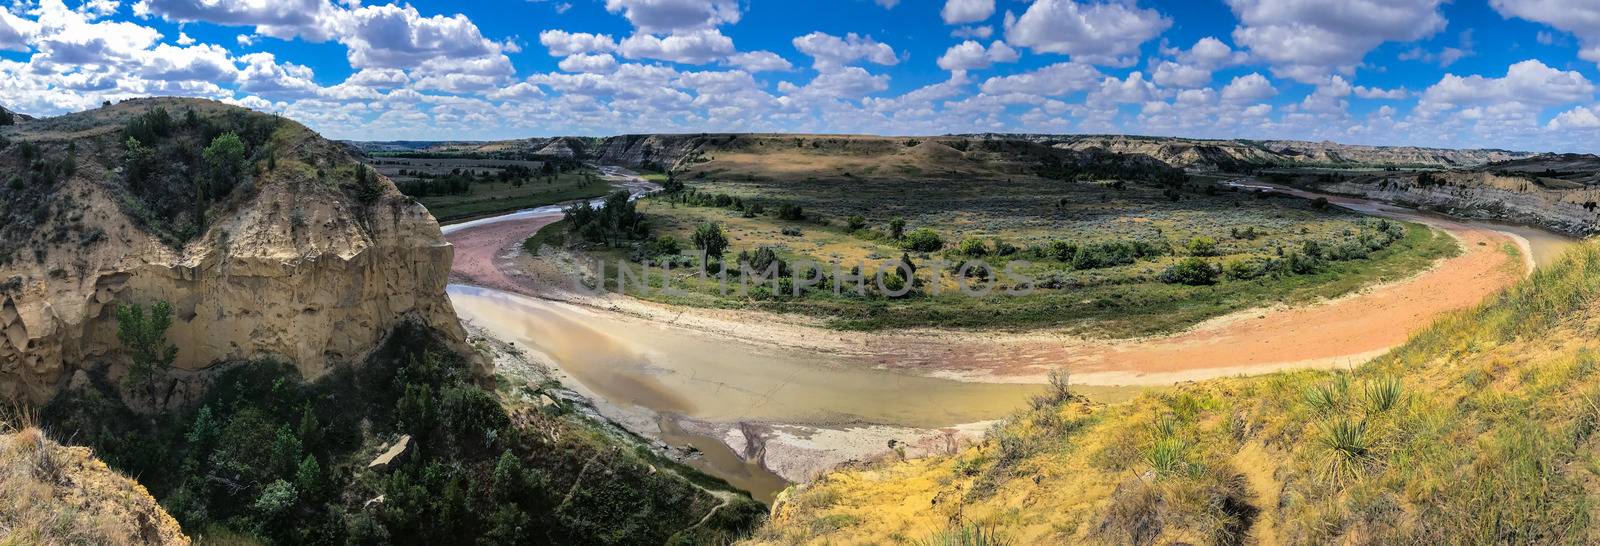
(50, 494)
(1479, 430)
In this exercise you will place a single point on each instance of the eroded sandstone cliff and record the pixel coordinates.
(306, 262)
(1542, 202)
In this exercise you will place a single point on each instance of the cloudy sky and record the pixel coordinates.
(1517, 74)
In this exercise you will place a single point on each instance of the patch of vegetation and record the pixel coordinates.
(615, 222)
(268, 456)
(458, 187)
(34, 176)
(176, 168)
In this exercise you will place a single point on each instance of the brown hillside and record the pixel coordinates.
(52, 494)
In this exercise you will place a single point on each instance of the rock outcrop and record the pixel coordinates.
(1568, 209)
(1226, 155)
(294, 265)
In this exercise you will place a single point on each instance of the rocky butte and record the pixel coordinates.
(294, 251)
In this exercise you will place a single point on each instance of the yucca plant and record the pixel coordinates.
(1383, 394)
(1165, 427)
(1348, 448)
(1330, 396)
(968, 535)
(1168, 456)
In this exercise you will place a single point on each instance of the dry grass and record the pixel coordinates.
(1480, 430)
(50, 495)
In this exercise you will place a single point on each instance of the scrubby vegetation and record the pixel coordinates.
(267, 456)
(35, 176)
(1105, 258)
(1479, 430)
(177, 166)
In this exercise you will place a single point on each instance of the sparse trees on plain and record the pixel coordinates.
(709, 237)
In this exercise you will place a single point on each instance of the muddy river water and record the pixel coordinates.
(658, 373)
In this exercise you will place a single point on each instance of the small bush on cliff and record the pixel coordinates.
(224, 163)
(144, 336)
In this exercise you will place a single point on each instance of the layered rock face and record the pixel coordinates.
(1486, 196)
(1208, 155)
(292, 267)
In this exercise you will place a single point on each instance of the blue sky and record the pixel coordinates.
(1517, 74)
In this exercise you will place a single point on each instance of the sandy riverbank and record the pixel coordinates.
(1336, 332)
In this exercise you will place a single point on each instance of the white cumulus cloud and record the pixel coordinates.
(958, 12)
(1307, 40)
(827, 50)
(1579, 17)
(971, 55)
(1105, 33)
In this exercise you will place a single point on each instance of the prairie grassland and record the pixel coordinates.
(1479, 430)
(1032, 225)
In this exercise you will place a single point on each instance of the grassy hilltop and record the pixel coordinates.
(1479, 430)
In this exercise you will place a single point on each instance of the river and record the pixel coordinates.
(649, 375)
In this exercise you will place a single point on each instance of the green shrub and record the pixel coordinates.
(1247, 268)
(664, 245)
(856, 222)
(1190, 271)
(923, 240)
(1063, 250)
(897, 228)
(790, 212)
(1004, 248)
(1301, 264)
(1202, 246)
(973, 247)
(225, 165)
